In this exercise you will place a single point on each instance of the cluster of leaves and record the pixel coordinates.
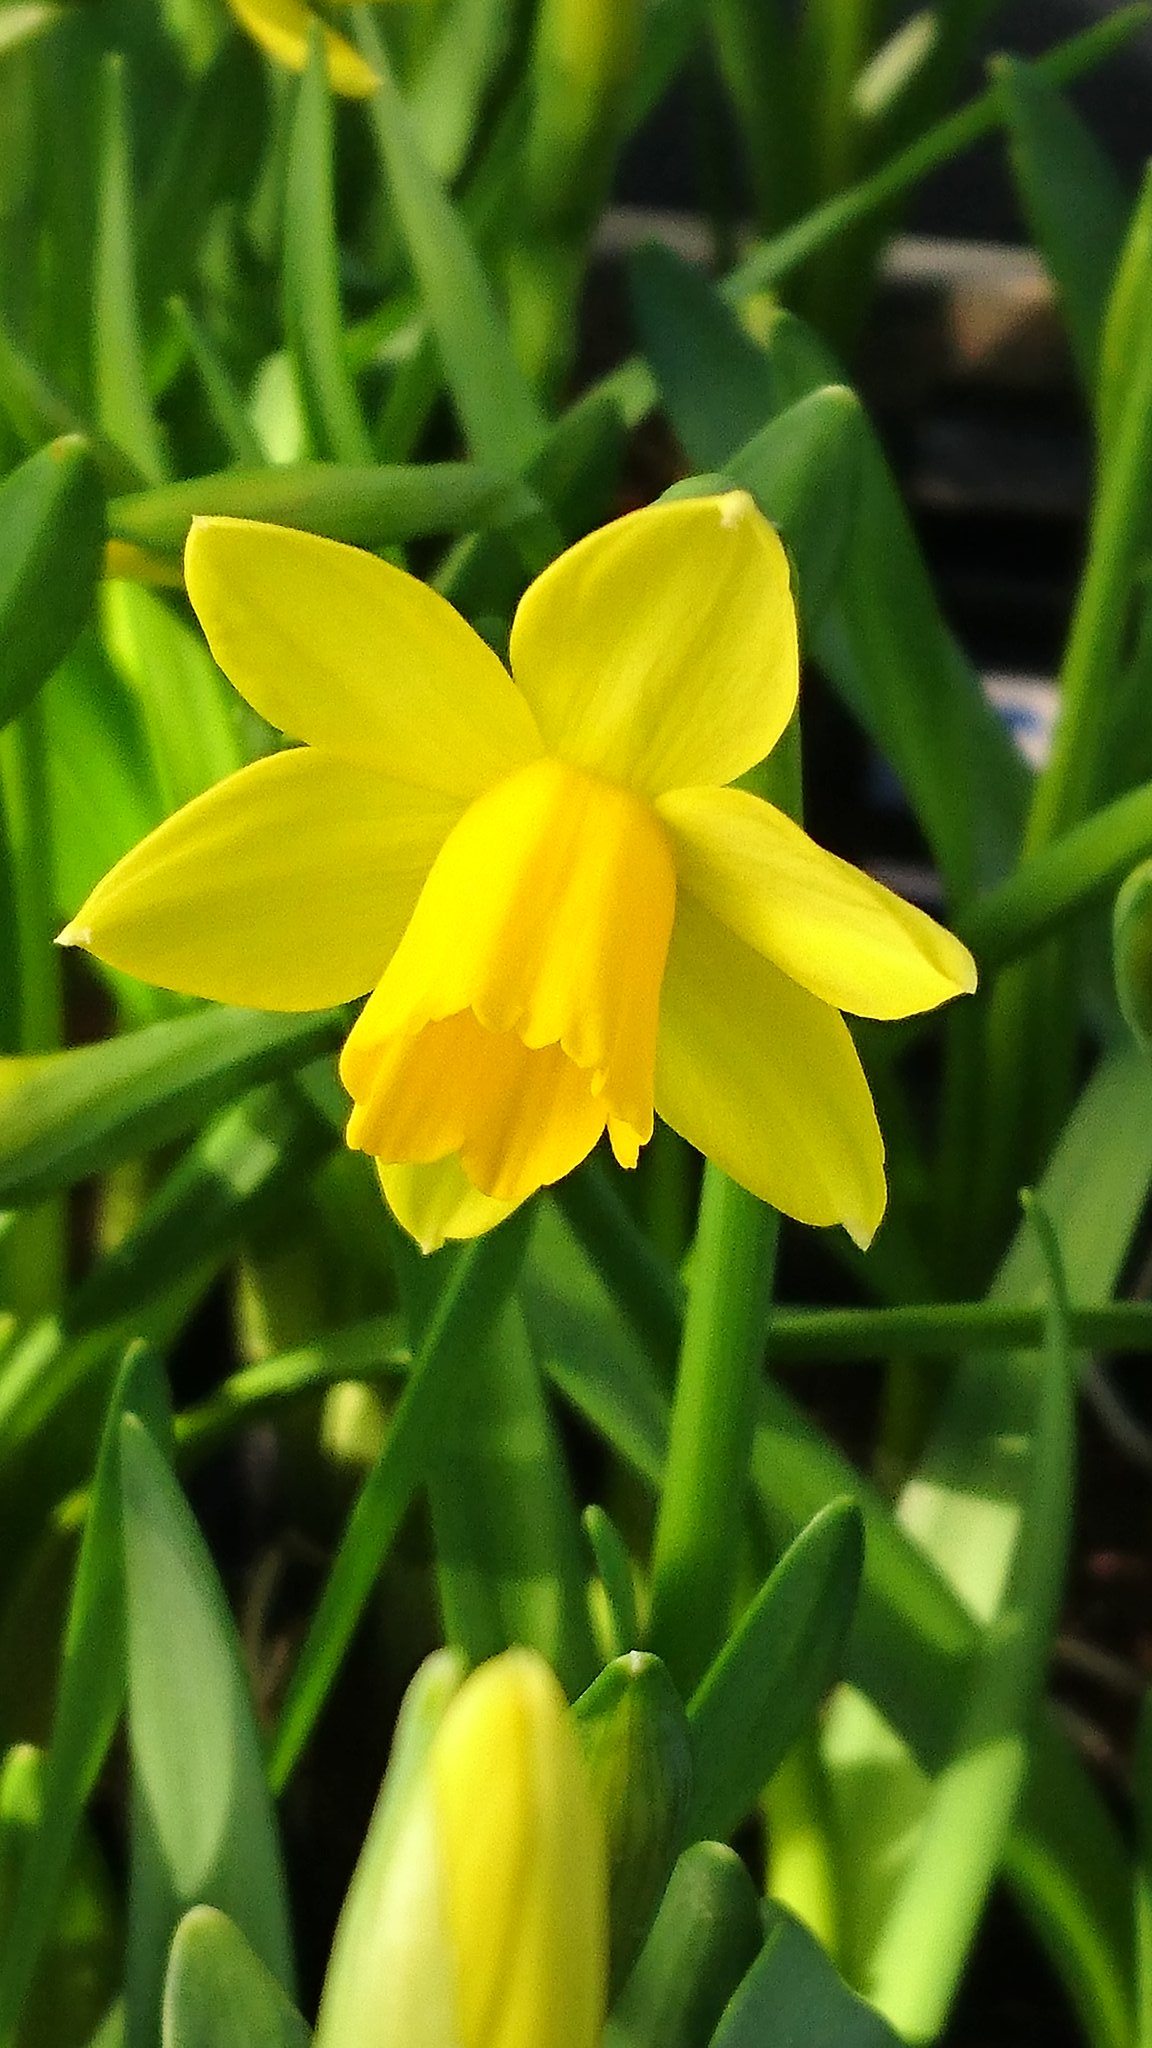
(221, 291)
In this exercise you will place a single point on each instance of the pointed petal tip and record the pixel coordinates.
(74, 935)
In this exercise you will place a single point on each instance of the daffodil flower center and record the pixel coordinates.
(517, 1018)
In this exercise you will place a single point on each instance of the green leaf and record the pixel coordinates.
(200, 1793)
(716, 383)
(1069, 786)
(193, 718)
(639, 1753)
(446, 99)
(51, 547)
(774, 1670)
(374, 507)
(498, 411)
(89, 1697)
(225, 403)
(1132, 953)
(614, 1567)
(313, 317)
(360, 1945)
(1052, 885)
(481, 1280)
(934, 1912)
(22, 21)
(218, 1993)
(123, 406)
(79, 1969)
(707, 1935)
(792, 1993)
(509, 1560)
(231, 1180)
(70, 1114)
(1074, 202)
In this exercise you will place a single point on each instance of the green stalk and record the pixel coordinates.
(696, 1557)
(732, 1270)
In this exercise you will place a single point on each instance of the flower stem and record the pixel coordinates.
(698, 1531)
(732, 1268)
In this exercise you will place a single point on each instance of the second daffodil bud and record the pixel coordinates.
(477, 1915)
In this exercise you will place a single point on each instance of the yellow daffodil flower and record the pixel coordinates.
(477, 1917)
(283, 28)
(565, 914)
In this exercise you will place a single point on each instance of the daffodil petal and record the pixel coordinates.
(660, 651)
(764, 1079)
(836, 931)
(286, 887)
(437, 1202)
(340, 649)
(283, 29)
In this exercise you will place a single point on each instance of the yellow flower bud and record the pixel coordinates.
(477, 1917)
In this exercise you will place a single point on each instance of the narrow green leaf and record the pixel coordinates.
(774, 1670)
(617, 1585)
(367, 1351)
(51, 547)
(472, 40)
(481, 1280)
(1053, 884)
(1132, 952)
(79, 1969)
(374, 507)
(639, 1754)
(233, 1178)
(792, 1993)
(123, 406)
(688, 334)
(70, 1114)
(499, 413)
(225, 403)
(771, 261)
(313, 317)
(89, 1696)
(936, 1908)
(509, 1561)
(707, 1935)
(1069, 785)
(194, 719)
(198, 1767)
(24, 20)
(360, 1945)
(1076, 207)
(218, 1993)
(1125, 322)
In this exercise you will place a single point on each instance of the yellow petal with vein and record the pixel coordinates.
(286, 887)
(853, 943)
(661, 650)
(283, 29)
(436, 1202)
(337, 648)
(764, 1079)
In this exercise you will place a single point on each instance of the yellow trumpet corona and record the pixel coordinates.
(568, 918)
